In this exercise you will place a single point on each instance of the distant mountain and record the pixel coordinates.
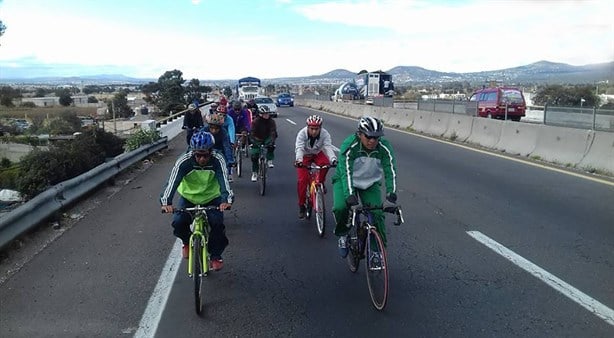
(538, 72)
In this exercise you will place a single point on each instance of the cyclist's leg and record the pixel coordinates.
(255, 152)
(340, 209)
(373, 197)
(217, 237)
(321, 159)
(302, 182)
(181, 222)
(270, 154)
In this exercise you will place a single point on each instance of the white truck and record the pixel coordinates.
(248, 88)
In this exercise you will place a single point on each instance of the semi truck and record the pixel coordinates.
(248, 88)
(372, 84)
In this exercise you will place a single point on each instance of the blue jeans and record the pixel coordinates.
(217, 237)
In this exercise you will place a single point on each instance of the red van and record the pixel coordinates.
(492, 103)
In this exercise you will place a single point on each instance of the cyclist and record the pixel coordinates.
(313, 145)
(365, 159)
(252, 107)
(200, 177)
(264, 131)
(241, 118)
(229, 128)
(222, 141)
(192, 121)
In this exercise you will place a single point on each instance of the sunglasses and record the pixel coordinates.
(202, 155)
(372, 137)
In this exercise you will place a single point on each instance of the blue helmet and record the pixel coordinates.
(202, 140)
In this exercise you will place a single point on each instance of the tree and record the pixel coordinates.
(119, 103)
(227, 91)
(64, 97)
(171, 92)
(2, 28)
(92, 99)
(7, 94)
(151, 91)
(193, 91)
(566, 96)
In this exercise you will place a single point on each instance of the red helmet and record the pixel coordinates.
(314, 120)
(221, 108)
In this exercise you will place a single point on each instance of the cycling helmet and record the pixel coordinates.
(221, 109)
(314, 120)
(202, 140)
(264, 109)
(192, 106)
(236, 105)
(216, 119)
(370, 126)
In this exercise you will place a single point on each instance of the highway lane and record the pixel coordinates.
(280, 279)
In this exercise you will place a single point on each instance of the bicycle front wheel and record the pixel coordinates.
(354, 249)
(320, 211)
(262, 176)
(197, 272)
(376, 265)
(239, 160)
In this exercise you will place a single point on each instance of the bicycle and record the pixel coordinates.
(364, 241)
(314, 200)
(198, 257)
(262, 166)
(240, 150)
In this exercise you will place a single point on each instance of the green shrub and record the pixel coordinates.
(8, 176)
(141, 137)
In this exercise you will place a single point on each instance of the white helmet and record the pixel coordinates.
(370, 126)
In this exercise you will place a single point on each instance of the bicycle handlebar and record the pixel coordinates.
(197, 208)
(316, 167)
(388, 208)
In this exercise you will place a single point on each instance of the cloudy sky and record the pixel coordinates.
(226, 39)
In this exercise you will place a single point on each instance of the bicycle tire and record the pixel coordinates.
(377, 270)
(262, 171)
(320, 211)
(354, 250)
(197, 273)
(239, 160)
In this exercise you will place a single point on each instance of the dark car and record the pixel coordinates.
(285, 99)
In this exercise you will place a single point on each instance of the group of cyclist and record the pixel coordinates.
(202, 175)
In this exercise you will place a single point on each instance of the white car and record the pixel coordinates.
(267, 101)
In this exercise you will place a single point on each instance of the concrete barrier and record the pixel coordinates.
(518, 138)
(600, 155)
(422, 120)
(459, 127)
(439, 124)
(485, 132)
(566, 146)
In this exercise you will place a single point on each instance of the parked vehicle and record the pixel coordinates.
(248, 88)
(495, 102)
(285, 99)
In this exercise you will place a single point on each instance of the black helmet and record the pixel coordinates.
(264, 109)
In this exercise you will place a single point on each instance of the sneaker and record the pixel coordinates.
(270, 163)
(254, 177)
(375, 262)
(343, 246)
(217, 264)
(185, 251)
(301, 212)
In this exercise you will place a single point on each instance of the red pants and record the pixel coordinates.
(303, 174)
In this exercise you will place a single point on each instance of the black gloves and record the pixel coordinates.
(392, 198)
(298, 164)
(351, 201)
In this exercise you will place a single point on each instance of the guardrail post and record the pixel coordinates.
(505, 118)
(545, 111)
(434, 103)
(594, 116)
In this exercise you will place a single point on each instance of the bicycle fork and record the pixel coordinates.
(204, 253)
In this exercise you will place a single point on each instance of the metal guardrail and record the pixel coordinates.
(30, 214)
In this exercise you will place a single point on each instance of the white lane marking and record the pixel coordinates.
(157, 302)
(592, 305)
(291, 122)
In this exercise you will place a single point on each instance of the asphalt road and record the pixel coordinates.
(281, 280)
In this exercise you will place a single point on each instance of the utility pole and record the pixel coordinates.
(114, 122)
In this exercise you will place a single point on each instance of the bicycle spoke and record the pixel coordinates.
(376, 269)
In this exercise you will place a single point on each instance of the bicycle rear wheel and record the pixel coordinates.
(197, 273)
(320, 211)
(354, 249)
(262, 171)
(376, 265)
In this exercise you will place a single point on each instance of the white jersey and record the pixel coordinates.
(322, 143)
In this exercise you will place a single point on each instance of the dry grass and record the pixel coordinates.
(44, 112)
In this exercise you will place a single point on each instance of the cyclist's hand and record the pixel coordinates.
(225, 206)
(392, 198)
(298, 164)
(351, 201)
(167, 209)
